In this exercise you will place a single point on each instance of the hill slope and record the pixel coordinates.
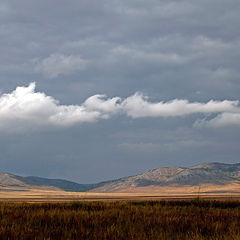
(210, 173)
(11, 180)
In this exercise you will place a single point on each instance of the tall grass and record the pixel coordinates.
(178, 220)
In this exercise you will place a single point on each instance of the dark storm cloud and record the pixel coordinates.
(165, 49)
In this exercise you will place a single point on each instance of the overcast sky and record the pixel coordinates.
(92, 90)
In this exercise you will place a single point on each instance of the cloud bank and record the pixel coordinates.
(24, 108)
(59, 64)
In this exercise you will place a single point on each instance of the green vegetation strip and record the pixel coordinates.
(142, 220)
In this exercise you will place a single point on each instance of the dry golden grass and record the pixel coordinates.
(140, 193)
(173, 189)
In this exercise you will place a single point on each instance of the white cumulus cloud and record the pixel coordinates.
(59, 64)
(222, 120)
(25, 109)
(138, 106)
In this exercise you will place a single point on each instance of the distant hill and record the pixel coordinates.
(209, 173)
(10, 180)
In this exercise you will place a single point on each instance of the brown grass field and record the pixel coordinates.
(121, 220)
(205, 212)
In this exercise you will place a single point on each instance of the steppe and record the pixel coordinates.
(40, 194)
(211, 180)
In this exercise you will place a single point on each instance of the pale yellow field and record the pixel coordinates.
(141, 193)
(233, 188)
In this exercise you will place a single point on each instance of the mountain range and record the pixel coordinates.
(209, 173)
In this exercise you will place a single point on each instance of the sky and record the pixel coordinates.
(96, 90)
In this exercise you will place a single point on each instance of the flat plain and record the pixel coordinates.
(202, 213)
(207, 191)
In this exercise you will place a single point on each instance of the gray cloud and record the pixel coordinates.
(173, 146)
(180, 53)
(58, 64)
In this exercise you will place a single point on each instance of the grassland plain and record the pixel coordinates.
(121, 220)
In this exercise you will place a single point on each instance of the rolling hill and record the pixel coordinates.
(11, 180)
(209, 173)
